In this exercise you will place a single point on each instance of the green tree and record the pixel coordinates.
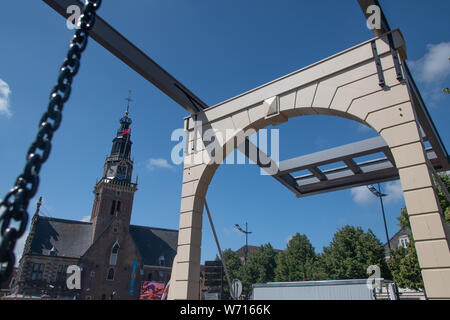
(260, 268)
(443, 201)
(404, 264)
(351, 252)
(234, 264)
(404, 267)
(403, 220)
(297, 262)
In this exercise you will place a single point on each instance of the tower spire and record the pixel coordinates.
(114, 192)
(128, 104)
(118, 163)
(38, 206)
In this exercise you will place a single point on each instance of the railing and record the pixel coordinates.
(118, 182)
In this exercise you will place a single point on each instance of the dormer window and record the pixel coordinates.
(114, 253)
(161, 261)
(53, 251)
(403, 241)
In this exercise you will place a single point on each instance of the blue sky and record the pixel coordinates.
(218, 49)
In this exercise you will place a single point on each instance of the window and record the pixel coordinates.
(114, 253)
(116, 147)
(110, 274)
(122, 171)
(113, 207)
(62, 273)
(38, 270)
(161, 260)
(118, 206)
(150, 277)
(403, 241)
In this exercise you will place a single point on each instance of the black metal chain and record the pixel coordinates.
(15, 204)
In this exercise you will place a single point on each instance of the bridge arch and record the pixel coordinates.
(367, 83)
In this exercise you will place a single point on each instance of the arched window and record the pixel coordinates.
(114, 253)
(113, 207)
(116, 147)
(110, 274)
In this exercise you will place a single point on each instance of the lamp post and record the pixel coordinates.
(380, 195)
(246, 232)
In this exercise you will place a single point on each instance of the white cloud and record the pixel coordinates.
(153, 164)
(434, 66)
(363, 196)
(289, 238)
(394, 191)
(86, 219)
(231, 231)
(5, 92)
(433, 71)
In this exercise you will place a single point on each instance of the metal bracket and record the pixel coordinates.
(376, 57)
(394, 53)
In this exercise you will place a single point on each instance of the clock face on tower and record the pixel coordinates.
(120, 170)
(111, 173)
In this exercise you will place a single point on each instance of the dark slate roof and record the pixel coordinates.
(251, 249)
(70, 238)
(241, 251)
(155, 242)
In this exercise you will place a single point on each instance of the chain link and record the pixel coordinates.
(15, 204)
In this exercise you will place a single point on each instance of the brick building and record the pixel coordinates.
(114, 256)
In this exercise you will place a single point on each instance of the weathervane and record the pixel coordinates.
(129, 100)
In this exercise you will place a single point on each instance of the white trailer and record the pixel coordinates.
(314, 290)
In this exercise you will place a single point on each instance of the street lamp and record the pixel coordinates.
(380, 195)
(246, 232)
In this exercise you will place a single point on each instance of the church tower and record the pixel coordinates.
(114, 193)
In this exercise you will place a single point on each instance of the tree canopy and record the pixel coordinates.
(443, 201)
(348, 256)
(260, 268)
(297, 262)
(404, 267)
(234, 264)
(351, 252)
(404, 264)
